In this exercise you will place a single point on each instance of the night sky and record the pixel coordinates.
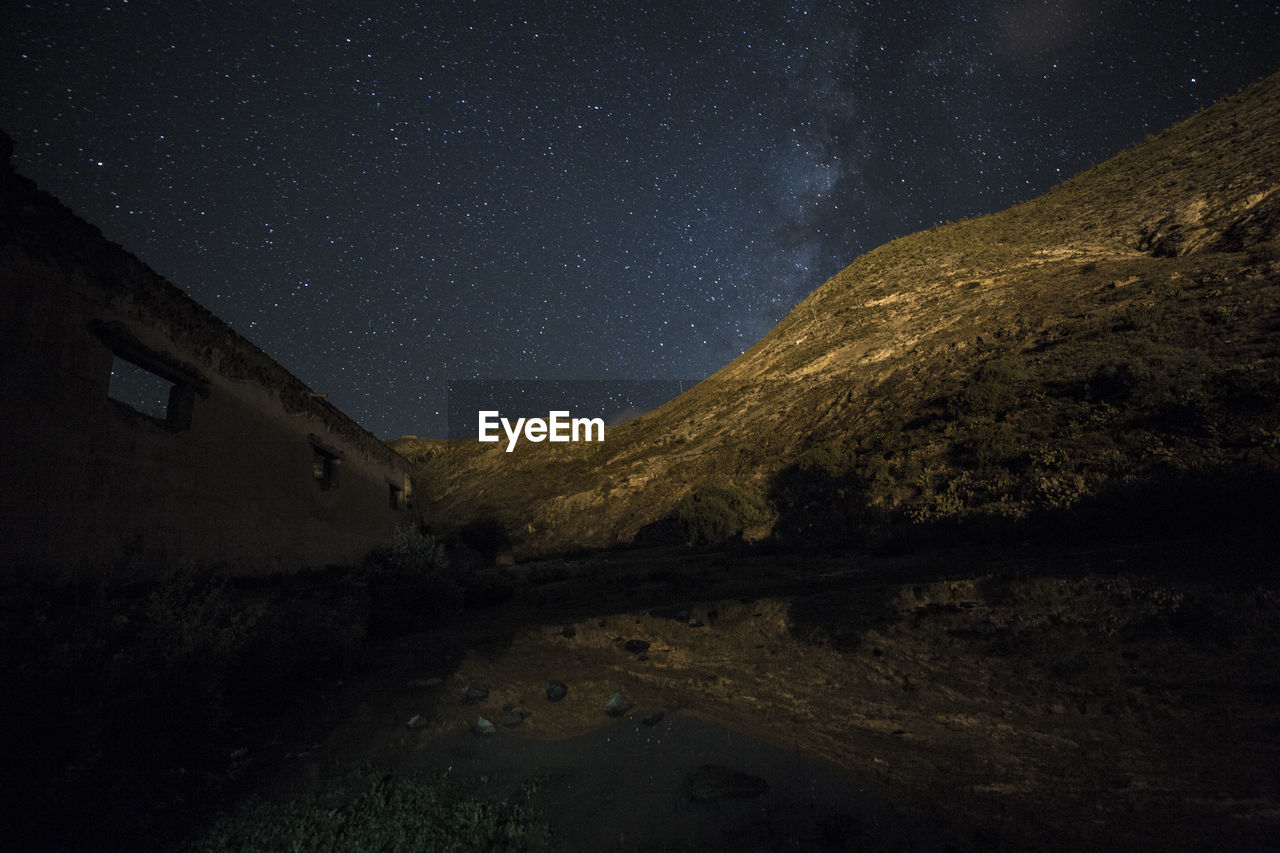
(386, 197)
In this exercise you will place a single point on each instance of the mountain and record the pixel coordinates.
(1112, 343)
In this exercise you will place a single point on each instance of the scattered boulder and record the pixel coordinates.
(618, 705)
(654, 718)
(417, 721)
(513, 718)
(637, 646)
(556, 690)
(483, 727)
(471, 695)
(712, 782)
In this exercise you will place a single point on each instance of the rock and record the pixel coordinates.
(417, 721)
(618, 705)
(712, 782)
(637, 646)
(569, 631)
(471, 695)
(511, 719)
(556, 690)
(654, 718)
(483, 727)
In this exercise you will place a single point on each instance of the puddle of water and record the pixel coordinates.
(624, 788)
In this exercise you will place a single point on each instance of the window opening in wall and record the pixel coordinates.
(325, 465)
(325, 468)
(139, 389)
(394, 494)
(150, 393)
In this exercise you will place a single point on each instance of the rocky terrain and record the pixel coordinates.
(1112, 334)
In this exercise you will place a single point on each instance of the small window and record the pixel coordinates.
(326, 462)
(151, 394)
(324, 466)
(394, 493)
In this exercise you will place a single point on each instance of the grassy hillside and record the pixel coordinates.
(1114, 339)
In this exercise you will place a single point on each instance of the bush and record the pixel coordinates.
(989, 443)
(1153, 377)
(712, 515)
(829, 458)
(373, 811)
(995, 389)
(190, 619)
(831, 498)
(1060, 490)
(411, 554)
(410, 583)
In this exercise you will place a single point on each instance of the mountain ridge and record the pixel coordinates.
(1115, 326)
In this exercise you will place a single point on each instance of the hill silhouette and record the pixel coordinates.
(1109, 344)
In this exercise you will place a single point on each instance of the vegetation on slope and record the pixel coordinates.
(1116, 332)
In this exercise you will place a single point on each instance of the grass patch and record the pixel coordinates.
(384, 812)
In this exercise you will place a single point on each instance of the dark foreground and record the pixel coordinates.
(999, 697)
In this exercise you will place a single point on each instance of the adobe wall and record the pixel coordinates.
(248, 472)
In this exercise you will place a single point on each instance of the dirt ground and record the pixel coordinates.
(1054, 700)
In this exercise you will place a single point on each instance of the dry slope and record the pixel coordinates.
(1119, 327)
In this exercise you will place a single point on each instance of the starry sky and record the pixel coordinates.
(387, 197)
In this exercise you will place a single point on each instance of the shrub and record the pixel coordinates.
(837, 467)
(823, 502)
(410, 554)
(190, 617)
(827, 457)
(373, 811)
(1154, 376)
(1140, 318)
(992, 443)
(995, 389)
(712, 515)
(410, 583)
(1060, 490)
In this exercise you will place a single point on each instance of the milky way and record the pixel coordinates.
(386, 197)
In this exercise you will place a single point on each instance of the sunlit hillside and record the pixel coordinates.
(1114, 333)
